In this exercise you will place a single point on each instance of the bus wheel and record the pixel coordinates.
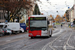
(50, 35)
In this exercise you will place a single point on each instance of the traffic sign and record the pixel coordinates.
(68, 7)
(6, 20)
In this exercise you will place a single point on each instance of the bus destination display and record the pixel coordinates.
(38, 18)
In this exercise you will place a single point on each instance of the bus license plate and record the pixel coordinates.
(37, 35)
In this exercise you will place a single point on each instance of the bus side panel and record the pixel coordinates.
(34, 33)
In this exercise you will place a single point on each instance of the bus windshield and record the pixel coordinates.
(38, 25)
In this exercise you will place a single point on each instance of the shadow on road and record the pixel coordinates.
(39, 38)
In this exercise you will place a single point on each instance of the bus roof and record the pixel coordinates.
(38, 16)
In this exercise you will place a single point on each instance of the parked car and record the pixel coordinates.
(21, 30)
(7, 31)
(1, 32)
(14, 26)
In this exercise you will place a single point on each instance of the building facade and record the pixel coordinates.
(71, 14)
(29, 11)
(2, 19)
(25, 12)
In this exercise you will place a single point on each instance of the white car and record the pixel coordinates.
(14, 26)
(21, 30)
(7, 31)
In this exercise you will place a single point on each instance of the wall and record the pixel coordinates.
(71, 15)
(2, 16)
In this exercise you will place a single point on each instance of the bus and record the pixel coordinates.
(38, 26)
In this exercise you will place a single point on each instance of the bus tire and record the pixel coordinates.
(51, 33)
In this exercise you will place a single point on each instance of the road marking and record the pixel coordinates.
(51, 47)
(68, 41)
(8, 40)
(55, 40)
(44, 48)
(55, 30)
(14, 40)
(32, 44)
(64, 47)
(23, 45)
(57, 33)
(11, 45)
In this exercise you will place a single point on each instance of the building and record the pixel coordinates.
(34, 5)
(2, 19)
(67, 15)
(50, 19)
(25, 13)
(71, 14)
(30, 11)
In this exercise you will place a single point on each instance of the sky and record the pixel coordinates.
(54, 7)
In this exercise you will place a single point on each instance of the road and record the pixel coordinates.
(62, 39)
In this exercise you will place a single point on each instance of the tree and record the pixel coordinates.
(52, 17)
(14, 7)
(58, 18)
(36, 10)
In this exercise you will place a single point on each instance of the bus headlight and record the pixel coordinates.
(30, 34)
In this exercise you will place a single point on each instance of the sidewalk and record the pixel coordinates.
(69, 26)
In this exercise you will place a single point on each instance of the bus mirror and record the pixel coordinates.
(27, 28)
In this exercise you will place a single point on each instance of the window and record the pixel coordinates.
(1, 26)
(38, 25)
(5, 26)
(1, 15)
